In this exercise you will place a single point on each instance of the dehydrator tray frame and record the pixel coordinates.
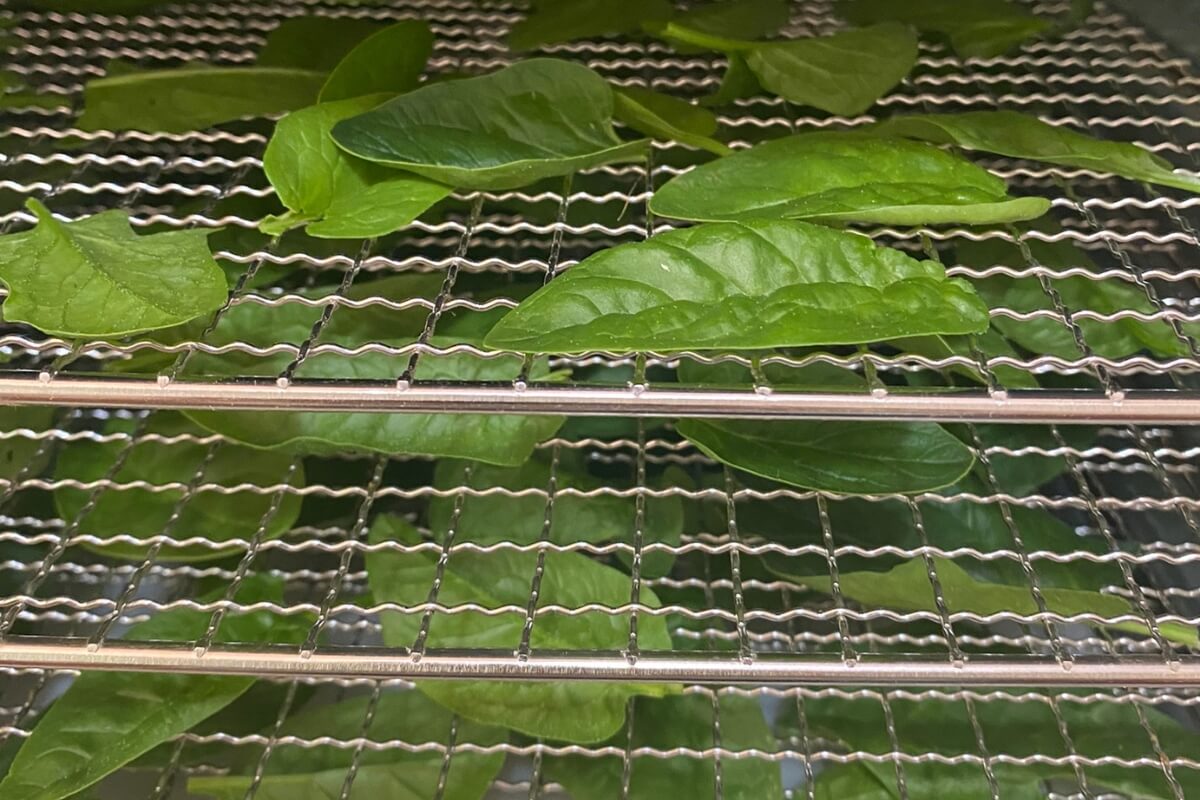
(772, 640)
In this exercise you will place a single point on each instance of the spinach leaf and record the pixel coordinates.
(535, 119)
(495, 439)
(845, 73)
(831, 456)
(497, 518)
(737, 19)
(906, 587)
(665, 117)
(295, 773)
(827, 455)
(738, 82)
(195, 97)
(314, 43)
(337, 195)
(96, 277)
(1010, 133)
(142, 513)
(17, 452)
(390, 60)
(990, 343)
(1049, 336)
(107, 719)
(843, 177)
(752, 285)
(563, 20)
(550, 710)
(976, 28)
(686, 722)
(1020, 727)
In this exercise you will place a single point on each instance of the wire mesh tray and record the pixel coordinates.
(1133, 492)
(1109, 78)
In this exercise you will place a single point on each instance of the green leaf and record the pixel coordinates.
(1050, 336)
(17, 453)
(1025, 729)
(976, 28)
(744, 285)
(906, 587)
(843, 177)
(990, 343)
(337, 195)
(738, 82)
(673, 722)
(314, 43)
(845, 73)
(390, 60)
(842, 457)
(495, 439)
(303, 773)
(827, 455)
(1010, 133)
(565, 20)
(143, 513)
(532, 120)
(107, 719)
(737, 19)
(96, 277)
(192, 98)
(550, 710)
(669, 118)
(500, 518)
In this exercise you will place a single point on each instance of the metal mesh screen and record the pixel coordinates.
(1130, 493)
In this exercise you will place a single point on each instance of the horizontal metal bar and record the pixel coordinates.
(1162, 407)
(868, 670)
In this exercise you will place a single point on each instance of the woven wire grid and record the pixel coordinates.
(1131, 488)
(1109, 78)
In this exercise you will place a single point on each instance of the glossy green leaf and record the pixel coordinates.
(603, 518)
(1025, 729)
(980, 28)
(142, 513)
(107, 719)
(96, 277)
(194, 98)
(314, 43)
(565, 20)
(1050, 335)
(844, 177)
(673, 722)
(738, 82)
(845, 73)
(388, 61)
(1017, 135)
(669, 118)
(842, 457)
(906, 587)
(744, 285)
(502, 578)
(737, 19)
(495, 439)
(337, 195)
(535, 119)
(304, 773)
